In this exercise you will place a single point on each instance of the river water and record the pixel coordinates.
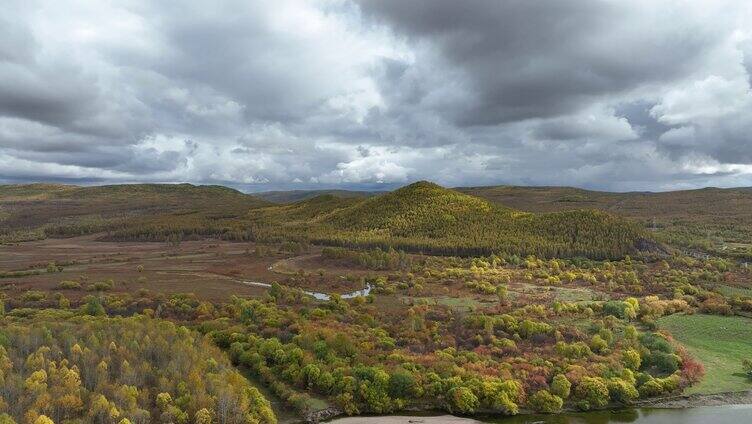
(319, 295)
(731, 414)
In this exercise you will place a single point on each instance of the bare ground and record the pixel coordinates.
(211, 269)
(208, 268)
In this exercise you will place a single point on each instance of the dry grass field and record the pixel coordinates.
(210, 269)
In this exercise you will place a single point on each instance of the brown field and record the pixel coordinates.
(211, 269)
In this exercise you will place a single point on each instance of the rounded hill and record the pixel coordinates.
(429, 218)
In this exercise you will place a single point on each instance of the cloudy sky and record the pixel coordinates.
(604, 94)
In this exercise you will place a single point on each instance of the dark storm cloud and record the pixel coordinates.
(532, 59)
(51, 93)
(377, 93)
(638, 115)
(108, 157)
(239, 59)
(23, 96)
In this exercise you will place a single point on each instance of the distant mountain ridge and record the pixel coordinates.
(35, 211)
(635, 204)
(292, 196)
(420, 216)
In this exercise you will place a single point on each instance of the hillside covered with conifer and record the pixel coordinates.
(428, 218)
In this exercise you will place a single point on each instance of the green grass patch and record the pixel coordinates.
(734, 291)
(565, 294)
(720, 343)
(452, 302)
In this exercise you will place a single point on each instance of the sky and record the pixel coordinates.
(374, 94)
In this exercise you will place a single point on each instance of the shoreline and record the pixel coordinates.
(697, 400)
(670, 402)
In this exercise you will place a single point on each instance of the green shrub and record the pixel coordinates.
(593, 391)
(33, 296)
(622, 391)
(560, 386)
(101, 286)
(69, 285)
(462, 400)
(545, 402)
(650, 388)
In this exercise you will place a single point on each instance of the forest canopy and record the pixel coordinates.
(120, 370)
(425, 217)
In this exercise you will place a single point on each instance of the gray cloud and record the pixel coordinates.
(377, 93)
(531, 59)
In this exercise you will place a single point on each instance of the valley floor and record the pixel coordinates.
(210, 269)
(436, 291)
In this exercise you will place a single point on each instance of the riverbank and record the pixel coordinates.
(729, 414)
(405, 419)
(698, 400)
(688, 402)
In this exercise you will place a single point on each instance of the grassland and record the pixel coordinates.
(210, 269)
(720, 343)
(734, 291)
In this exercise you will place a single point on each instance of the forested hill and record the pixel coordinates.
(420, 217)
(730, 202)
(293, 196)
(710, 219)
(429, 218)
(36, 211)
(138, 195)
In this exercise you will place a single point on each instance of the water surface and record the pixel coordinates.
(731, 414)
(319, 295)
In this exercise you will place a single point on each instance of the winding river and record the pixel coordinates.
(729, 414)
(319, 295)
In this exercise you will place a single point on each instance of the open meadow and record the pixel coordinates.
(720, 343)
